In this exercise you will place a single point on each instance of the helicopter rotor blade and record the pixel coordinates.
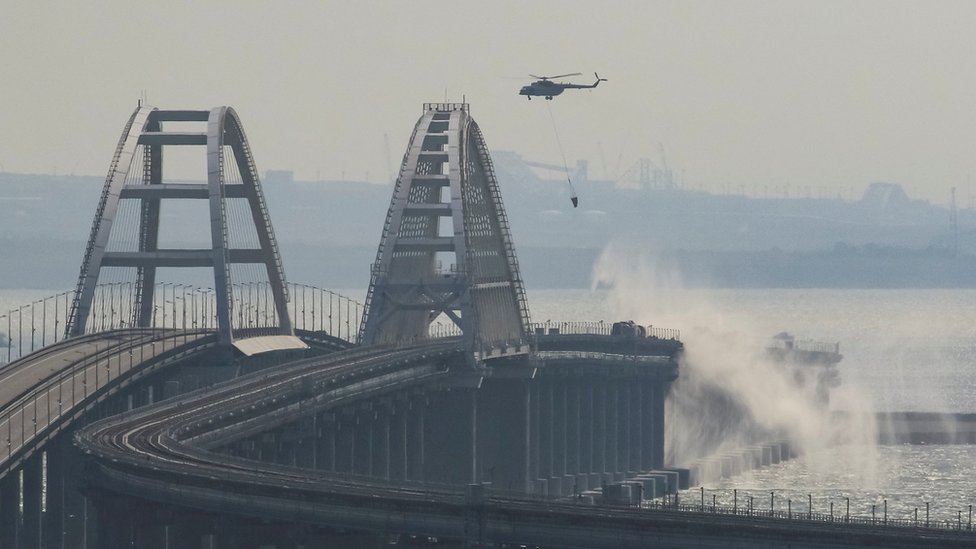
(539, 77)
(565, 75)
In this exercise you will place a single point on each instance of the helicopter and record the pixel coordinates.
(545, 87)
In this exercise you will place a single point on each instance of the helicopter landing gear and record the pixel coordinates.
(548, 98)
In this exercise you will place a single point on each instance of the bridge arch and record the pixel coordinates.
(446, 250)
(136, 175)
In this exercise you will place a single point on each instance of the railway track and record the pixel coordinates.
(166, 453)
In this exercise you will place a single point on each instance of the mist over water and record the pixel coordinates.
(730, 392)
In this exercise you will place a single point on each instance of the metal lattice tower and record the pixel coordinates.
(136, 174)
(446, 254)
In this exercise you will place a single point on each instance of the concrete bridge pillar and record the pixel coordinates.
(545, 420)
(660, 393)
(306, 449)
(192, 530)
(573, 431)
(33, 489)
(325, 442)
(417, 441)
(503, 439)
(378, 439)
(345, 437)
(10, 510)
(634, 422)
(382, 449)
(451, 434)
(560, 446)
(534, 409)
(613, 430)
(54, 510)
(267, 447)
(585, 433)
(647, 426)
(398, 450)
(115, 526)
(620, 428)
(600, 422)
(80, 527)
(362, 451)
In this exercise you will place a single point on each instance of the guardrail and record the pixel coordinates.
(748, 509)
(44, 405)
(41, 322)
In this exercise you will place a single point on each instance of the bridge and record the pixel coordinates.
(258, 413)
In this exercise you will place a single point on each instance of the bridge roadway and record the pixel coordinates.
(41, 391)
(165, 454)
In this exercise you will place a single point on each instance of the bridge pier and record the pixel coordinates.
(544, 420)
(560, 446)
(398, 450)
(326, 443)
(452, 436)
(345, 438)
(54, 512)
(32, 494)
(381, 440)
(305, 447)
(10, 510)
(573, 438)
(362, 457)
(416, 443)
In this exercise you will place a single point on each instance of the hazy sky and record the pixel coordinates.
(743, 94)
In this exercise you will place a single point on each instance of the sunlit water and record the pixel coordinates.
(903, 349)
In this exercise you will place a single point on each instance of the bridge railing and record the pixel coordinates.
(37, 409)
(801, 511)
(40, 323)
(319, 310)
(33, 326)
(817, 346)
(446, 107)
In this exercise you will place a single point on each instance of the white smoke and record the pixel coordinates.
(730, 392)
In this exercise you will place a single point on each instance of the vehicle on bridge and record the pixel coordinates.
(628, 328)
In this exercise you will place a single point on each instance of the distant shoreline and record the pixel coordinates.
(48, 263)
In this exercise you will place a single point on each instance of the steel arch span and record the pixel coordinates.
(136, 175)
(446, 253)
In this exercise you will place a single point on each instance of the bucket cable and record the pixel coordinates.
(572, 190)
